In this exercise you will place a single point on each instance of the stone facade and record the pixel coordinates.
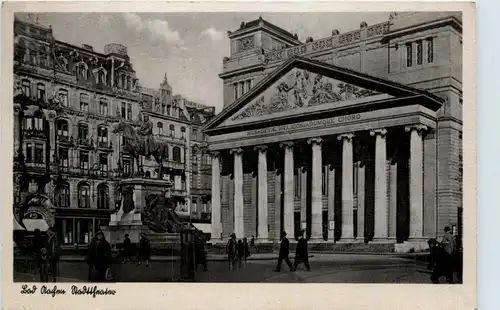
(67, 100)
(333, 101)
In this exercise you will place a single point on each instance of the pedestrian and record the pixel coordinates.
(144, 250)
(240, 249)
(44, 265)
(39, 242)
(127, 249)
(100, 258)
(283, 254)
(231, 250)
(53, 252)
(92, 244)
(200, 254)
(252, 241)
(247, 251)
(301, 253)
(440, 261)
(449, 244)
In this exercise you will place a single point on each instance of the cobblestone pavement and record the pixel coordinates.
(326, 268)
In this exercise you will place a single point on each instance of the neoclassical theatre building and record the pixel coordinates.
(355, 137)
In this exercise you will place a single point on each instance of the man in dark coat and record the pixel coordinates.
(53, 251)
(440, 262)
(200, 254)
(144, 250)
(301, 253)
(99, 257)
(231, 250)
(283, 254)
(127, 249)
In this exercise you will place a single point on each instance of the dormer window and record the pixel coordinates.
(409, 55)
(430, 50)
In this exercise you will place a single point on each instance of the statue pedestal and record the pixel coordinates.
(122, 223)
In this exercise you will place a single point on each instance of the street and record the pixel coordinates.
(325, 268)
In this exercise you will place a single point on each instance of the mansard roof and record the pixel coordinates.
(346, 75)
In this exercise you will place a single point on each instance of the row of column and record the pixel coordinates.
(381, 231)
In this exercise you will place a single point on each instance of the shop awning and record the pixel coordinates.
(17, 226)
(205, 227)
(32, 224)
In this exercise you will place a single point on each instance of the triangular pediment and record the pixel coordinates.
(302, 86)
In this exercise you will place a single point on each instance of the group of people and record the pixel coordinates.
(143, 253)
(47, 251)
(237, 251)
(445, 257)
(301, 253)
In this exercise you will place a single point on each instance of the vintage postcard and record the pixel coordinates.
(161, 153)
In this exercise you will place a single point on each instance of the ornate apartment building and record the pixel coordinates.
(355, 137)
(68, 160)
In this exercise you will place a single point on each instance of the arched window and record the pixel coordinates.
(172, 130)
(160, 128)
(183, 132)
(176, 156)
(40, 91)
(63, 96)
(102, 196)
(194, 135)
(84, 102)
(62, 197)
(102, 135)
(148, 174)
(83, 132)
(103, 164)
(103, 106)
(26, 85)
(83, 195)
(62, 128)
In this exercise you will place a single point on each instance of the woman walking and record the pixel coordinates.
(99, 258)
(144, 250)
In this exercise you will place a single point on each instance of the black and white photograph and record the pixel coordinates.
(253, 155)
(240, 147)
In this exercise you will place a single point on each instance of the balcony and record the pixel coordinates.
(85, 142)
(173, 165)
(62, 139)
(34, 133)
(108, 146)
(201, 191)
(179, 192)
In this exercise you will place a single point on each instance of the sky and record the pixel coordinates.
(188, 47)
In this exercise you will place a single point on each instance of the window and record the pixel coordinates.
(176, 156)
(129, 111)
(409, 55)
(83, 132)
(39, 153)
(62, 128)
(84, 162)
(419, 52)
(194, 135)
(102, 135)
(126, 167)
(172, 130)
(26, 85)
(40, 91)
(63, 96)
(43, 59)
(62, 197)
(84, 102)
(183, 132)
(103, 164)
(28, 123)
(103, 107)
(38, 123)
(325, 180)
(102, 196)
(29, 152)
(64, 158)
(195, 160)
(83, 195)
(160, 128)
(124, 109)
(430, 50)
(297, 178)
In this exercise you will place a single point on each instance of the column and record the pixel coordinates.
(216, 203)
(347, 187)
(112, 72)
(52, 136)
(288, 224)
(361, 202)
(381, 207)
(17, 128)
(416, 181)
(331, 202)
(238, 192)
(262, 229)
(317, 194)
(393, 200)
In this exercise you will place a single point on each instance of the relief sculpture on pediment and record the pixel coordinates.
(298, 89)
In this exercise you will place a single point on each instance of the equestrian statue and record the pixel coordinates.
(140, 142)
